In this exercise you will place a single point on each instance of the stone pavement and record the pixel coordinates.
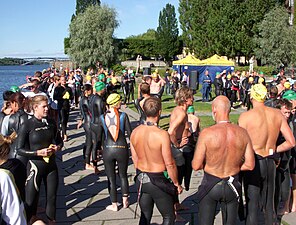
(83, 196)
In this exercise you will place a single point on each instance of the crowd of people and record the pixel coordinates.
(257, 154)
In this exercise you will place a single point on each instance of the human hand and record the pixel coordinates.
(79, 124)
(180, 189)
(44, 152)
(184, 141)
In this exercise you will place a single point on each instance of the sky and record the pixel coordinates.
(37, 28)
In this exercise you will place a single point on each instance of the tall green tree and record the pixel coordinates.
(81, 5)
(167, 33)
(276, 39)
(91, 35)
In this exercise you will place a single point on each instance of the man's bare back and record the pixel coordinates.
(152, 148)
(263, 125)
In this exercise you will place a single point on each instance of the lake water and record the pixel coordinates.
(16, 75)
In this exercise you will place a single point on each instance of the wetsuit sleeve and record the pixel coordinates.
(71, 93)
(22, 141)
(57, 94)
(127, 126)
(58, 137)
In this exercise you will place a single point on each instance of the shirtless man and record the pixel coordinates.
(157, 85)
(221, 160)
(179, 131)
(263, 125)
(151, 154)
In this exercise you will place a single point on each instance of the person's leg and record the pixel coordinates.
(232, 99)
(51, 185)
(109, 164)
(207, 207)
(122, 161)
(88, 143)
(188, 169)
(270, 212)
(146, 205)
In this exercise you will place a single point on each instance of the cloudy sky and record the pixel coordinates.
(34, 28)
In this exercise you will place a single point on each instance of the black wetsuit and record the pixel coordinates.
(63, 105)
(156, 188)
(259, 187)
(140, 110)
(39, 134)
(86, 118)
(214, 190)
(15, 122)
(116, 151)
(97, 108)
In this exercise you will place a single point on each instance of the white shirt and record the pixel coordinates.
(12, 207)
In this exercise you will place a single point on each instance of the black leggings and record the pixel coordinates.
(88, 143)
(64, 118)
(185, 171)
(37, 171)
(151, 194)
(96, 143)
(259, 187)
(121, 156)
(282, 187)
(223, 194)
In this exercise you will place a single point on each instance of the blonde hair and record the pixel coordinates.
(5, 142)
(182, 95)
(37, 99)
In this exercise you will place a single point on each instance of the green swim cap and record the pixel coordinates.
(190, 109)
(100, 86)
(108, 80)
(101, 76)
(14, 88)
(289, 95)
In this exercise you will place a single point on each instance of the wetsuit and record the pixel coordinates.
(63, 105)
(86, 118)
(97, 108)
(140, 110)
(131, 87)
(153, 189)
(126, 90)
(39, 134)
(214, 190)
(259, 187)
(116, 150)
(15, 121)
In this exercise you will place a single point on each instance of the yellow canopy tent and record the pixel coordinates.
(216, 60)
(188, 60)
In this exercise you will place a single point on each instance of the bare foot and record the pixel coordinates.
(89, 167)
(293, 209)
(125, 202)
(112, 207)
(97, 171)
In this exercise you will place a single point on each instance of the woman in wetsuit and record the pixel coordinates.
(18, 117)
(44, 140)
(85, 119)
(114, 124)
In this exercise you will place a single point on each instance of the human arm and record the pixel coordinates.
(175, 122)
(288, 135)
(249, 157)
(200, 152)
(133, 151)
(169, 160)
(127, 126)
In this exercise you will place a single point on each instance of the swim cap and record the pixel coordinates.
(101, 76)
(108, 80)
(190, 109)
(88, 77)
(113, 99)
(154, 75)
(261, 73)
(228, 76)
(113, 80)
(287, 85)
(14, 88)
(289, 95)
(123, 71)
(100, 86)
(259, 92)
(260, 80)
(251, 79)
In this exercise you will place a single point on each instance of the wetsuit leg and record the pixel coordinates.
(64, 120)
(164, 203)
(109, 164)
(251, 180)
(188, 156)
(122, 162)
(95, 143)
(51, 184)
(35, 174)
(88, 143)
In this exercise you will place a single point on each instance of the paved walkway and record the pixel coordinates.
(83, 196)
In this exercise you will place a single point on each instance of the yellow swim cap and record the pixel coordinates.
(88, 77)
(251, 79)
(228, 76)
(259, 92)
(113, 80)
(260, 80)
(154, 75)
(287, 85)
(113, 99)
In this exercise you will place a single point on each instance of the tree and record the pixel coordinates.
(91, 35)
(276, 39)
(81, 5)
(167, 33)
